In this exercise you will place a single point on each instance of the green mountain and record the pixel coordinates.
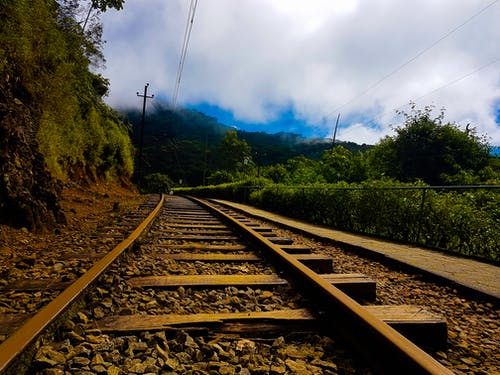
(183, 144)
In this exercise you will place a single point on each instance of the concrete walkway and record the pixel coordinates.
(469, 273)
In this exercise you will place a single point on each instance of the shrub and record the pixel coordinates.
(156, 183)
(467, 222)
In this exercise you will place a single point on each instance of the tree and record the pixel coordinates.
(336, 164)
(277, 173)
(302, 170)
(426, 148)
(157, 183)
(102, 5)
(235, 155)
(340, 164)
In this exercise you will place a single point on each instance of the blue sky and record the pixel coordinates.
(293, 65)
(285, 122)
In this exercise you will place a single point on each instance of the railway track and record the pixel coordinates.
(199, 295)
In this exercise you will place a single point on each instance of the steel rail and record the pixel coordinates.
(20, 340)
(382, 344)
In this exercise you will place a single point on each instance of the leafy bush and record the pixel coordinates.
(466, 221)
(236, 191)
(98, 146)
(156, 183)
(44, 66)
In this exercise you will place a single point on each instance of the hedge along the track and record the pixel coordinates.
(467, 221)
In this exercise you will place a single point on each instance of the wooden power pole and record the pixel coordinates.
(335, 131)
(145, 96)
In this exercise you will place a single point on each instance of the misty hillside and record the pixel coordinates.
(183, 143)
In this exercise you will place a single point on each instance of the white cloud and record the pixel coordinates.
(360, 133)
(253, 57)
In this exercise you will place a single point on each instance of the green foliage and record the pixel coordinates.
(426, 148)
(44, 65)
(465, 222)
(102, 5)
(340, 164)
(156, 183)
(277, 173)
(220, 177)
(302, 170)
(234, 154)
(118, 152)
(235, 191)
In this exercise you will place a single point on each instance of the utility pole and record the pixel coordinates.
(145, 96)
(335, 131)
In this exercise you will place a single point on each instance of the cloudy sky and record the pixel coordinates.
(293, 65)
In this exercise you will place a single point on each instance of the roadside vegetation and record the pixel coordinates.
(385, 191)
(54, 125)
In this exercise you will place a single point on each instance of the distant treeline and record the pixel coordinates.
(186, 145)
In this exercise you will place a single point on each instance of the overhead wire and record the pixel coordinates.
(184, 49)
(450, 83)
(432, 45)
(460, 78)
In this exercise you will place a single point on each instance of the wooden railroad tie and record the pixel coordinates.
(207, 257)
(195, 238)
(197, 231)
(356, 285)
(296, 249)
(193, 218)
(11, 322)
(206, 281)
(242, 219)
(193, 222)
(200, 212)
(208, 247)
(318, 263)
(159, 322)
(200, 226)
(414, 322)
(36, 285)
(278, 240)
(263, 229)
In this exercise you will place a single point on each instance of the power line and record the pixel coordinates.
(450, 83)
(460, 78)
(184, 48)
(377, 83)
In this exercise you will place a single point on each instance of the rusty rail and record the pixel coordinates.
(383, 345)
(19, 341)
